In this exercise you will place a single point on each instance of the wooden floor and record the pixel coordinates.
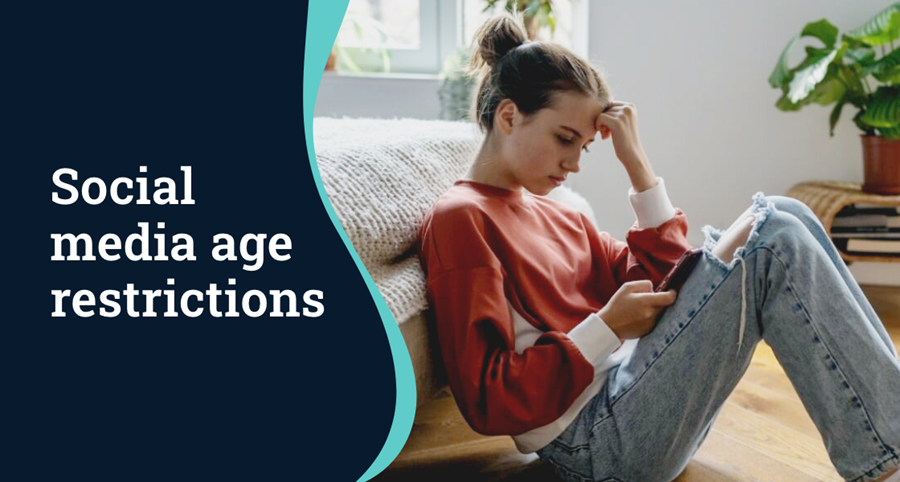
(762, 434)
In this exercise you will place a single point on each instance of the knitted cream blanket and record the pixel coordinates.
(381, 176)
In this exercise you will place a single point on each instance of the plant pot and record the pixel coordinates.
(881, 165)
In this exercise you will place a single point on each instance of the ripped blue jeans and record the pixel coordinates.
(796, 293)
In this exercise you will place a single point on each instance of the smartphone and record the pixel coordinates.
(679, 273)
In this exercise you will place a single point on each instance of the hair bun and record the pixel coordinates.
(497, 37)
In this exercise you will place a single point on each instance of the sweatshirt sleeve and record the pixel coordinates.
(498, 390)
(655, 241)
(651, 207)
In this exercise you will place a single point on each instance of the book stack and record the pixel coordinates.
(867, 229)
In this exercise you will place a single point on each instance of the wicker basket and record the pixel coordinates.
(827, 198)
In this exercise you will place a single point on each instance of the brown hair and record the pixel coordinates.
(509, 66)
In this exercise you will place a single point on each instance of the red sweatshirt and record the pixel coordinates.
(515, 281)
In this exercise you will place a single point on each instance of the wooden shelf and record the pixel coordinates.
(827, 198)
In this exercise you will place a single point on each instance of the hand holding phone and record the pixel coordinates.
(679, 273)
(626, 312)
(634, 309)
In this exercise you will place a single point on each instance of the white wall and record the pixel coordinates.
(697, 72)
(378, 96)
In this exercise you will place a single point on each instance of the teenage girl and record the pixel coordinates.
(550, 330)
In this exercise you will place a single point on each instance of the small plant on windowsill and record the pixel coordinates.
(839, 73)
(536, 14)
(456, 88)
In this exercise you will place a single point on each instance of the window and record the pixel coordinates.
(416, 36)
(411, 36)
(474, 15)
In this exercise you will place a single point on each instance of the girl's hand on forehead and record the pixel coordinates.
(619, 121)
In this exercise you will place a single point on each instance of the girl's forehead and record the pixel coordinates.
(581, 108)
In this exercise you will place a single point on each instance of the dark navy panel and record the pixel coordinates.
(104, 90)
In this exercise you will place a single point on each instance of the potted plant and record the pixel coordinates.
(839, 73)
(535, 14)
(455, 86)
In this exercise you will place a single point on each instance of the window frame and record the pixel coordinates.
(441, 34)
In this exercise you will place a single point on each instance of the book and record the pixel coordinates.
(866, 229)
(844, 245)
(873, 246)
(869, 205)
(877, 235)
(867, 220)
(868, 209)
(850, 231)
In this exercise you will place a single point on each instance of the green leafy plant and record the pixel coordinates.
(455, 88)
(839, 73)
(535, 13)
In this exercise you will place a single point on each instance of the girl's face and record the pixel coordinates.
(542, 150)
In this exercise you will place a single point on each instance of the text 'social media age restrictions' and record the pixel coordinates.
(139, 247)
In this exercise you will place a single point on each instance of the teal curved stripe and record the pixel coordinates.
(323, 22)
